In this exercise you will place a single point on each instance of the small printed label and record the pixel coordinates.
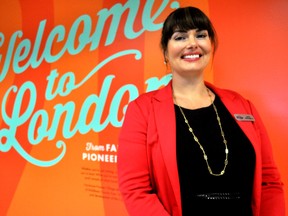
(244, 117)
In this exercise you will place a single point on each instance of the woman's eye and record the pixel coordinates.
(202, 34)
(180, 38)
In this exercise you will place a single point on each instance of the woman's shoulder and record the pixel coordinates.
(231, 93)
(227, 93)
(158, 94)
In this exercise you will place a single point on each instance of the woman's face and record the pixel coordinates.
(189, 51)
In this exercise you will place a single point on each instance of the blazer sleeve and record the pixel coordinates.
(272, 193)
(133, 165)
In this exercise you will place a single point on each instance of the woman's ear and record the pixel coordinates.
(166, 60)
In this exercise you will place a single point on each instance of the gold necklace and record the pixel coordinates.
(197, 141)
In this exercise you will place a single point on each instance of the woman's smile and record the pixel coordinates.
(191, 57)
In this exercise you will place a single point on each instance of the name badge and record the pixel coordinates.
(244, 117)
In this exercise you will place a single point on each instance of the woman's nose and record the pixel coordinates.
(192, 43)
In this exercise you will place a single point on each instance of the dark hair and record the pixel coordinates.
(185, 19)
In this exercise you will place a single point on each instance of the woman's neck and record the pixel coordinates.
(191, 94)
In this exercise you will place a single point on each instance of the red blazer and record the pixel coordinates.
(147, 167)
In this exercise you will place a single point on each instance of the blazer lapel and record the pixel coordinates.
(166, 126)
(236, 107)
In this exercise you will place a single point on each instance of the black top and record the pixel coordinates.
(204, 194)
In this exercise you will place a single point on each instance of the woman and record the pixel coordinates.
(191, 148)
